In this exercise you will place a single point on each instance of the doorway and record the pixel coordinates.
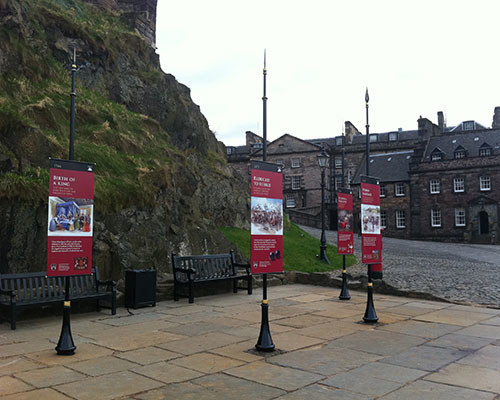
(484, 225)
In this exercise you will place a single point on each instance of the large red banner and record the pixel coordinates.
(370, 222)
(266, 218)
(70, 218)
(345, 236)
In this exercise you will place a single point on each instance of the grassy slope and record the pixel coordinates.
(134, 155)
(300, 249)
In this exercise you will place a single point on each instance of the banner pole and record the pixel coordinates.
(265, 341)
(65, 345)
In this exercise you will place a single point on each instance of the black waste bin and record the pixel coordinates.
(140, 288)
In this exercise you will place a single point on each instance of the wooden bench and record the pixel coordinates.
(34, 289)
(191, 270)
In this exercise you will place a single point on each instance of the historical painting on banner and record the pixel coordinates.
(345, 236)
(371, 241)
(70, 218)
(266, 218)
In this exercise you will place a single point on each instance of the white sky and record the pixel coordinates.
(416, 58)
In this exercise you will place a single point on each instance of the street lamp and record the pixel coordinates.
(323, 159)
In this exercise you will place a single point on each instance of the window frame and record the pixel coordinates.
(400, 216)
(383, 190)
(455, 180)
(290, 198)
(432, 188)
(436, 220)
(294, 181)
(383, 219)
(295, 163)
(398, 193)
(459, 215)
(338, 162)
(482, 179)
(393, 136)
(485, 152)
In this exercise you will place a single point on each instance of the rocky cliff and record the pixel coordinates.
(162, 183)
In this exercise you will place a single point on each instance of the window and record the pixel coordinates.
(435, 186)
(383, 192)
(229, 150)
(400, 219)
(399, 189)
(295, 182)
(383, 219)
(338, 163)
(468, 125)
(280, 162)
(485, 150)
(460, 216)
(393, 136)
(338, 141)
(436, 155)
(435, 218)
(257, 145)
(295, 162)
(338, 182)
(458, 185)
(349, 177)
(485, 183)
(373, 138)
(459, 152)
(290, 200)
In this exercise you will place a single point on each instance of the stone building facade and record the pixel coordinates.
(418, 170)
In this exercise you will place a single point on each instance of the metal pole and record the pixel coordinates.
(65, 345)
(322, 255)
(370, 313)
(265, 341)
(344, 292)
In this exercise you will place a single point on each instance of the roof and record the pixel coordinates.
(388, 167)
(471, 141)
(384, 137)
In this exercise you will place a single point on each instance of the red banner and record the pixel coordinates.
(266, 218)
(345, 237)
(70, 218)
(371, 244)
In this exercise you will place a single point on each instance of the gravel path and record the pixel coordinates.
(453, 271)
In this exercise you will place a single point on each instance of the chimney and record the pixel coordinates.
(496, 119)
(441, 120)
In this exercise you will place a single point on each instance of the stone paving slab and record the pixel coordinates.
(418, 350)
(322, 392)
(426, 358)
(434, 391)
(468, 376)
(109, 386)
(275, 376)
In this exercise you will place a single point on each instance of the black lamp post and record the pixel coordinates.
(370, 313)
(66, 345)
(323, 159)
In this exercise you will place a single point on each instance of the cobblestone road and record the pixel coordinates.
(458, 272)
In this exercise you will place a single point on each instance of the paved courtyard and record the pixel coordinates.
(418, 350)
(452, 271)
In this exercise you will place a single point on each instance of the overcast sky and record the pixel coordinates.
(416, 58)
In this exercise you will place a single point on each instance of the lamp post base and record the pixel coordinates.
(344, 293)
(322, 254)
(265, 342)
(65, 345)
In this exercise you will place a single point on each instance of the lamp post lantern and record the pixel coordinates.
(323, 159)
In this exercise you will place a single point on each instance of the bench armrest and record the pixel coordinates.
(246, 266)
(110, 284)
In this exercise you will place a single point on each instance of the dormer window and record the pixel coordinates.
(485, 150)
(393, 136)
(338, 141)
(373, 138)
(436, 155)
(229, 150)
(468, 125)
(459, 152)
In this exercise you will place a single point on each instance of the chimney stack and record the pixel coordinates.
(441, 120)
(496, 119)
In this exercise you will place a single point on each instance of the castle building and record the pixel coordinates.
(437, 182)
